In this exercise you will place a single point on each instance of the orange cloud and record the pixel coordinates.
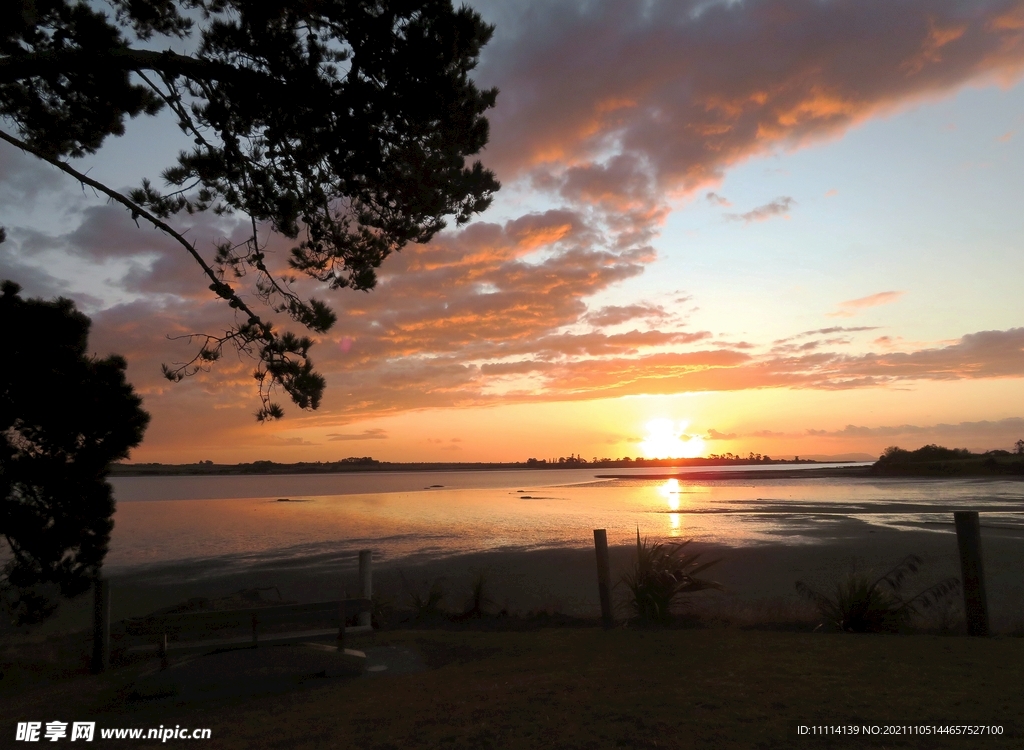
(616, 106)
(1012, 20)
(372, 434)
(617, 314)
(872, 300)
(988, 434)
(850, 307)
(938, 37)
(778, 207)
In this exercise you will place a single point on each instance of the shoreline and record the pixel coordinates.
(759, 579)
(760, 472)
(748, 474)
(369, 466)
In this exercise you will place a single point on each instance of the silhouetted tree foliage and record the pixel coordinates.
(64, 416)
(342, 124)
(896, 455)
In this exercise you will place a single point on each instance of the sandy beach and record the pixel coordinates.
(758, 580)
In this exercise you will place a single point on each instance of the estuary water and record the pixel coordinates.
(420, 516)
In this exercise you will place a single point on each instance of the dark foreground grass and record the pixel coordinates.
(587, 688)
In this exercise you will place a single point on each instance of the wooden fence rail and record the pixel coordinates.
(179, 630)
(164, 633)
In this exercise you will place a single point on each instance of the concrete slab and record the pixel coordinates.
(271, 669)
(249, 671)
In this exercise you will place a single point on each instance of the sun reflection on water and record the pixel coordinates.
(670, 491)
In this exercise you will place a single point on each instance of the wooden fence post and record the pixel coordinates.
(100, 625)
(603, 576)
(365, 582)
(968, 539)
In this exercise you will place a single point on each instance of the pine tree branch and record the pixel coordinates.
(219, 287)
(52, 62)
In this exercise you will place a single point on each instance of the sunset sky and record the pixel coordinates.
(787, 226)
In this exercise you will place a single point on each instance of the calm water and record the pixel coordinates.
(436, 514)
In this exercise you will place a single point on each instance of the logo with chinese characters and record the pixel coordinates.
(34, 731)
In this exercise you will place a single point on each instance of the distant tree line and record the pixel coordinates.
(937, 460)
(932, 452)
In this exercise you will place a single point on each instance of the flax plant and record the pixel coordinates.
(429, 607)
(479, 599)
(661, 573)
(861, 604)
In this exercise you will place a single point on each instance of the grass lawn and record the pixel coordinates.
(587, 688)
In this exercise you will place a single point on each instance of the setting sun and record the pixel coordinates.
(666, 439)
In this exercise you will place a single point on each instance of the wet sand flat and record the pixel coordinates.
(757, 578)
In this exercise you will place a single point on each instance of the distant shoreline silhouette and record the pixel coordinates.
(366, 464)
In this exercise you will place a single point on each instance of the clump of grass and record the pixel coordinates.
(428, 607)
(479, 599)
(383, 611)
(661, 574)
(862, 604)
(432, 604)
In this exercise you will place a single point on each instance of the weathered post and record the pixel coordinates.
(100, 625)
(365, 582)
(603, 576)
(968, 539)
